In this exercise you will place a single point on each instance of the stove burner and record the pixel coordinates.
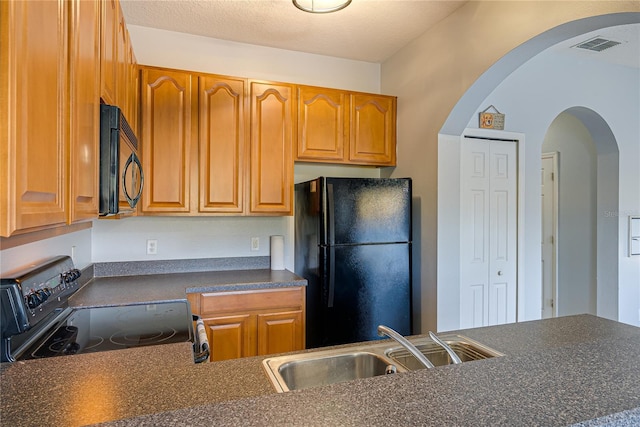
(94, 342)
(143, 337)
(56, 346)
(63, 341)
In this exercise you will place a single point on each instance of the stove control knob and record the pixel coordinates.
(70, 276)
(34, 300)
(43, 294)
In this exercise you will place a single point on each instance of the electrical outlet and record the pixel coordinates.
(152, 247)
(255, 243)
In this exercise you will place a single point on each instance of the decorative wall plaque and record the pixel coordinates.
(491, 120)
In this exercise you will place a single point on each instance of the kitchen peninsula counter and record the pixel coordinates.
(171, 286)
(555, 372)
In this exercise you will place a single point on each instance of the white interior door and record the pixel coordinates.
(549, 238)
(488, 270)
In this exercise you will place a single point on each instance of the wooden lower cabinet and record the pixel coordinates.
(234, 336)
(279, 332)
(251, 323)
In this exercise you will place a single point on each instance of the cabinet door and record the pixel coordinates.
(272, 131)
(373, 130)
(167, 134)
(84, 113)
(323, 124)
(222, 142)
(280, 332)
(134, 92)
(122, 62)
(33, 114)
(231, 337)
(108, 50)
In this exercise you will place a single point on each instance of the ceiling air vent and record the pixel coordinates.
(597, 44)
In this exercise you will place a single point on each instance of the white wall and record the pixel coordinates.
(532, 97)
(77, 245)
(182, 238)
(188, 52)
(577, 232)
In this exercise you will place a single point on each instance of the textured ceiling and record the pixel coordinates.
(367, 30)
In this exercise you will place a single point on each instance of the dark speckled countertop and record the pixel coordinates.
(581, 370)
(555, 372)
(174, 286)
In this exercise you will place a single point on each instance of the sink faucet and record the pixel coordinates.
(385, 330)
(452, 354)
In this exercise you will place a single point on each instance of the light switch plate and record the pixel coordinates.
(634, 235)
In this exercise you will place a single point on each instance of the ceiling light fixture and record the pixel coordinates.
(321, 6)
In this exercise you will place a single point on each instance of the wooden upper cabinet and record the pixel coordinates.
(122, 67)
(110, 22)
(119, 83)
(336, 126)
(134, 92)
(323, 124)
(373, 130)
(272, 131)
(33, 120)
(222, 143)
(84, 109)
(127, 81)
(167, 134)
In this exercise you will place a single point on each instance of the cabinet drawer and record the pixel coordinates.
(242, 301)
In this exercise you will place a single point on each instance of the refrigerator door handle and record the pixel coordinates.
(332, 276)
(330, 224)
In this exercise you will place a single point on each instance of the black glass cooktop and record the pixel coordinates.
(97, 329)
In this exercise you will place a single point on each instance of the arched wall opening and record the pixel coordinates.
(533, 87)
(587, 183)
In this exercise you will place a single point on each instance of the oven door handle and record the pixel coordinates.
(201, 346)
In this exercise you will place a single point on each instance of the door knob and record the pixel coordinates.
(499, 272)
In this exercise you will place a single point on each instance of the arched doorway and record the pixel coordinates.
(586, 244)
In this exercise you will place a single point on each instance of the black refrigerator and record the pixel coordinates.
(353, 245)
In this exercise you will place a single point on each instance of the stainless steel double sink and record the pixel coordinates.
(323, 367)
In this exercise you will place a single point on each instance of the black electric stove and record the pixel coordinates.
(37, 321)
(88, 330)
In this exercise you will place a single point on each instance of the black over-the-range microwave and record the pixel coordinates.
(121, 176)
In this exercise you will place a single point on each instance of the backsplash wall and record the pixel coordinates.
(77, 245)
(183, 238)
